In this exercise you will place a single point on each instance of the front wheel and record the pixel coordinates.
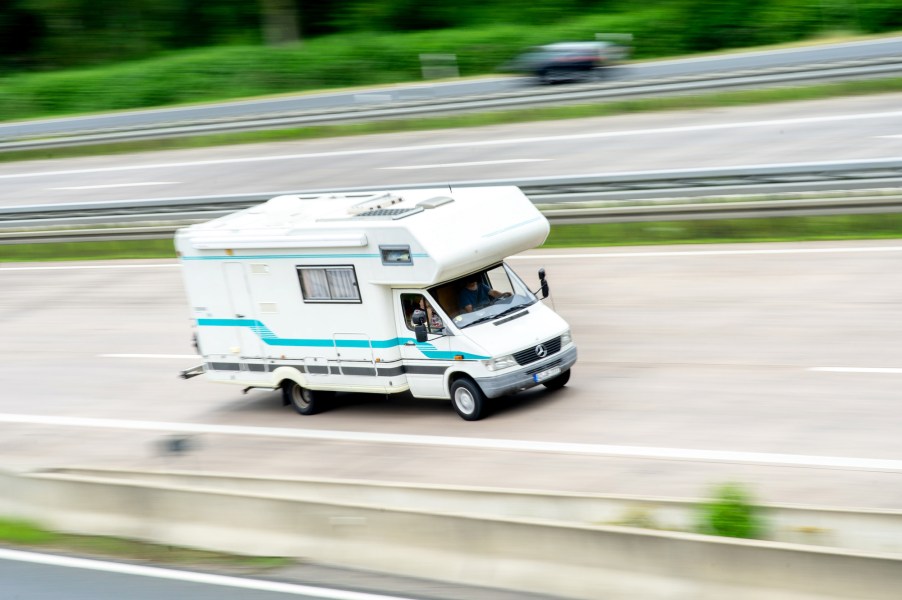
(304, 401)
(468, 400)
(558, 382)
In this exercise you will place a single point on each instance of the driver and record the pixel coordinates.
(477, 294)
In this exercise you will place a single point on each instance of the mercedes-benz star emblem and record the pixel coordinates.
(541, 351)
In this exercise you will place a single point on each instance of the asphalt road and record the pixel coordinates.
(28, 575)
(776, 365)
(476, 87)
(830, 130)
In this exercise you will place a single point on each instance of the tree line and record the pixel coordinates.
(61, 34)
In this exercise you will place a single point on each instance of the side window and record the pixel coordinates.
(412, 302)
(329, 284)
(396, 255)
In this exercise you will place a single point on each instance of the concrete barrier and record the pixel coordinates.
(538, 555)
(864, 530)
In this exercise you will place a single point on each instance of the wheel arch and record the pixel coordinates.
(283, 374)
(452, 375)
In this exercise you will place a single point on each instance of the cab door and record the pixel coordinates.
(424, 363)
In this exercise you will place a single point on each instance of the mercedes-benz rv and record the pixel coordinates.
(383, 293)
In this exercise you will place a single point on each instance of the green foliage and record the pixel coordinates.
(776, 229)
(23, 532)
(731, 513)
(14, 531)
(54, 34)
(366, 54)
(86, 251)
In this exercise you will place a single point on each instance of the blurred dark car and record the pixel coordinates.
(568, 61)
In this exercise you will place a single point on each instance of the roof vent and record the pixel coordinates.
(375, 202)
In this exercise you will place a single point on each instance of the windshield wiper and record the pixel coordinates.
(508, 311)
(479, 320)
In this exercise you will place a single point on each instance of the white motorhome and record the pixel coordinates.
(366, 293)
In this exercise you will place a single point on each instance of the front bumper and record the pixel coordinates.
(522, 378)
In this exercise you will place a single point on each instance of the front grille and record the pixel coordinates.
(525, 357)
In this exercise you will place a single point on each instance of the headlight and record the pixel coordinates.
(500, 362)
(566, 338)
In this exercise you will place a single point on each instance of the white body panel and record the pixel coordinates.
(272, 297)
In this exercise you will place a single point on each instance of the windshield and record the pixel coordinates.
(483, 296)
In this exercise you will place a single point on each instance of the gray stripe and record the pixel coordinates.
(223, 366)
(391, 372)
(424, 370)
(359, 371)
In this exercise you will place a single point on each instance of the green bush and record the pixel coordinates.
(23, 532)
(731, 513)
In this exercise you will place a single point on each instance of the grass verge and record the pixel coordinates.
(23, 534)
(87, 250)
(600, 109)
(775, 229)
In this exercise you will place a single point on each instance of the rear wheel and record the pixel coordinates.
(558, 382)
(468, 400)
(305, 401)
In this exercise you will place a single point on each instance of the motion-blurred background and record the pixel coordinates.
(66, 56)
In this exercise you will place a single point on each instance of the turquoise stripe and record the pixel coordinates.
(293, 256)
(271, 339)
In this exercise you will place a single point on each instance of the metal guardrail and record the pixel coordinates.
(587, 92)
(728, 192)
(569, 216)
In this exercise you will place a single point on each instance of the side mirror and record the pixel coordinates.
(543, 283)
(419, 324)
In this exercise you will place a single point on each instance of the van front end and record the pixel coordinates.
(503, 338)
(547, 362)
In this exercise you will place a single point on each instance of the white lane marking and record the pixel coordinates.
(75, 267)
(647, 452)
(115, 185)
(468, 164)
(857, 370)
(709, 252)
(149, 356)
(188, 576)
(472, 144)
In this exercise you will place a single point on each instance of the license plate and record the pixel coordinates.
(543, 375)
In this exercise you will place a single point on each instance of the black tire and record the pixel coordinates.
(305, 401)
(552, 75)
(468, 400)
(558, 382)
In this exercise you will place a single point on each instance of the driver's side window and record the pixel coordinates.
(498, 280)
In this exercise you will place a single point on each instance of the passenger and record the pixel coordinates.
(433, 321)
(476, 294)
